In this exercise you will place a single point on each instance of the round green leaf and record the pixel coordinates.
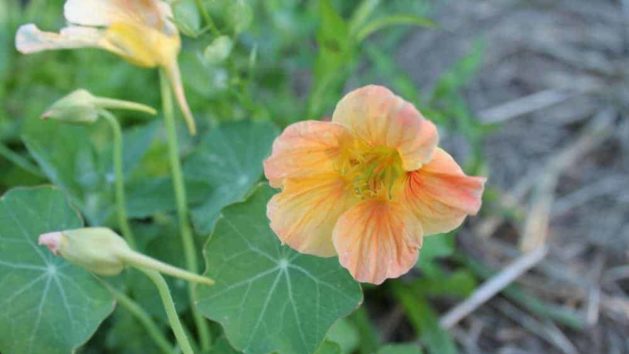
(228, 162)
(48, 306)
(268, 297)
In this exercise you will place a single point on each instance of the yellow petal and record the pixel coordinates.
(304, 213)
(377, 240)
(143, 46)
(380, 118)
(441, 195)
(305, 149)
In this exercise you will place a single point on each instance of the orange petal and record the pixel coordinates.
(377, 240)
(441, 195)
(379, 117)
(305, 149)
(304, 213)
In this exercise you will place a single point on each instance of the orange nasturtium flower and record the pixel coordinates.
(139, 31)
(367, 186)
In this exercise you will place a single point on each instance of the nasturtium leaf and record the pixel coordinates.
(345, 334)
(267, 297)
(153, 195)
(127, 336)
(48, 306)
(229, 162)
(222, 346)
(164, 244)
(329, 347)
(78, 159)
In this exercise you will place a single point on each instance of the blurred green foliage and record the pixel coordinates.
(277, 61)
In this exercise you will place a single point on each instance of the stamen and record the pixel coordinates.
(373, 171)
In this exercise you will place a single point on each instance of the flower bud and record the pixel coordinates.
(77, 107)
(99, 250)
(102, 251)
(81, 107)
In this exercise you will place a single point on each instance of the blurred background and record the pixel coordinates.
(533, 94)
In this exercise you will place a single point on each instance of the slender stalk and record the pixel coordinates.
(113, 103)
(182, 206)
(206, 17)
(123, 220)
(137, 259)
(138, 312)
(171, 312)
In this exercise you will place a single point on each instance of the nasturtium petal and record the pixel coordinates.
(377, 240)
(228, 163)
(441, 195)
(305, 149)
(267, 297)
(303, 215)
(48, 305)
(378, 116)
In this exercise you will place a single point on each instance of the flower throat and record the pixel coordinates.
(371, 171)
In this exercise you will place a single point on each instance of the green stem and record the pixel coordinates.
(206, 17)
(112, 103)
(182, 206)
(139, 260)
(123, 220)
(171, 312)
(138, 312)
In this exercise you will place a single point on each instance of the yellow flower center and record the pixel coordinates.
(373, 172)
(142, 45)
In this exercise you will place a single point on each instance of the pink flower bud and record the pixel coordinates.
(51, 240)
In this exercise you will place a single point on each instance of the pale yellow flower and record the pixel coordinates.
(139, 31)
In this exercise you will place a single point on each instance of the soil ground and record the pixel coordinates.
(555, 80)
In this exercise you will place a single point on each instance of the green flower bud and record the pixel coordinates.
(102, 251)
(99, 250)
(81, 107)
(77, 107)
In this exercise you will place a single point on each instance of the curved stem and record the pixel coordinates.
(171, 312)
(182, 206)
(123, 220)
(138, 312)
